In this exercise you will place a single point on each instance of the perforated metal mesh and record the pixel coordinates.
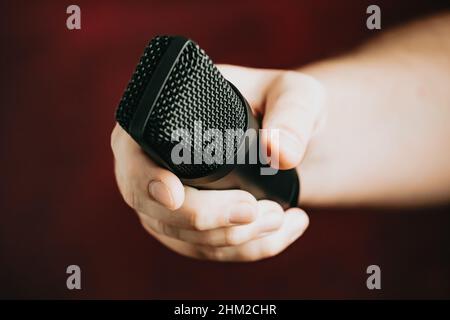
(141, 76)
(195, 92)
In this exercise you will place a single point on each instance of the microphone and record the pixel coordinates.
(181, 110)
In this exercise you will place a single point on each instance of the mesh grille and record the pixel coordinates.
(142, 75)
(195, 92)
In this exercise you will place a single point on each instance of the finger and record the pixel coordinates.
(270, 218)
(294, 224)
(294, 104)
(207, 209)
(139, 178)
(252, 83)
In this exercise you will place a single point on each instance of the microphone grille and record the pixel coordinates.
(194, 92)
(142, 75)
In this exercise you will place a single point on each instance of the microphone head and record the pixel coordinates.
(176, 86)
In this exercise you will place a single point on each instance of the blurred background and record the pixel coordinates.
(59, 204)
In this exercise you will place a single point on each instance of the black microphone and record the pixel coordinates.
(178, 105)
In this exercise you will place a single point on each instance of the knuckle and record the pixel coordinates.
(211, 253)
(160, 227)
(311, 89)
(273, 206)
(216, 254)
(131, 199)
(207, 238)
(248, 254)
(170, 231)
(197, 220)
(232, 237)
(245, 196)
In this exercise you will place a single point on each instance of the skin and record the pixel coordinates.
(366, 128)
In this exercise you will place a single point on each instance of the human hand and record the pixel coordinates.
(226, 225)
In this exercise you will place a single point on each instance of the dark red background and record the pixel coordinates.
(59, 201)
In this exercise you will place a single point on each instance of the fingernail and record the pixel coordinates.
(292, 148)
(161, 193)
(242, 213)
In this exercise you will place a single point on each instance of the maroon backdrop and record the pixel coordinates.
(59, 201)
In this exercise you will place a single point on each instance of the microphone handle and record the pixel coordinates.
(283, 187)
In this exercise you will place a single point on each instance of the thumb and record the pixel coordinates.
(253, 83)
(293, 106)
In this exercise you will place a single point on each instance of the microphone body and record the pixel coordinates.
(175, 87)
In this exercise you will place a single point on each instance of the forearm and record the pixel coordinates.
(386, 134)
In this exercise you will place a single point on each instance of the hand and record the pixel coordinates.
(226, 225)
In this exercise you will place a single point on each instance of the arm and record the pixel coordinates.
(387, 133)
